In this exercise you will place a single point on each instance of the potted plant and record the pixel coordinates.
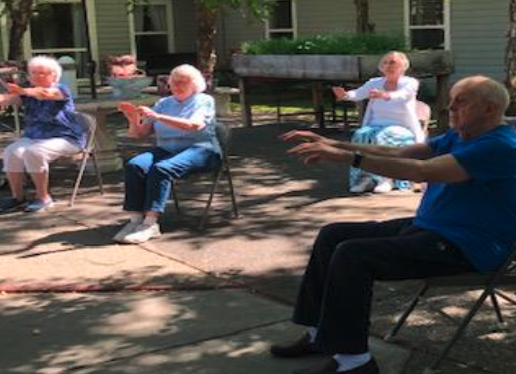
(125, 78)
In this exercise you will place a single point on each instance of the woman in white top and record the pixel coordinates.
(390, 118)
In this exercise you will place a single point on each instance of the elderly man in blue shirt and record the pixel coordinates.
(466, 222)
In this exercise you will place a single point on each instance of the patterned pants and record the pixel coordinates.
(389, 136)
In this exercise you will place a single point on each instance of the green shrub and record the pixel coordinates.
(337, 44)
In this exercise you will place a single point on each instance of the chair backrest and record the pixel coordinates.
(89, 125)
(511, 121)
(223, 134)
(424, 114)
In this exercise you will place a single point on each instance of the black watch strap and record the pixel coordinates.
(357, 159)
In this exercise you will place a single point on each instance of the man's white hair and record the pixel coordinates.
(488, 90)
(46, 62)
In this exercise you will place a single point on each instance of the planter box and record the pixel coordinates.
(339, 68)
(351, 68)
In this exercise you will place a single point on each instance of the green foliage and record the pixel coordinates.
(336, 44)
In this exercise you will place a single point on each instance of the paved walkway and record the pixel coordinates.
(204, 302)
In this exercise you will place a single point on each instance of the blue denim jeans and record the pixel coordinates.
(149, 175)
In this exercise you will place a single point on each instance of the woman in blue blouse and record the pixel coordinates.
(184, 126)
(50, 131)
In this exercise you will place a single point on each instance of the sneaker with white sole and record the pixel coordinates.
(126, 230)
(365, 185)
(142, 233)
(39, 205)
(383, 187)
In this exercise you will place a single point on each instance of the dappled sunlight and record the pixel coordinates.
(144, 318)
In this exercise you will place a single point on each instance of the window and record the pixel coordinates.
(282, 21)
(58, 29)
(152, 22)
(427, 24)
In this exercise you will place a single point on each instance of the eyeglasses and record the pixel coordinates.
(40, 73)
(389, 62)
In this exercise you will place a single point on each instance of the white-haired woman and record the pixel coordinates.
(49, 132)
(184, 126)
(390, 118)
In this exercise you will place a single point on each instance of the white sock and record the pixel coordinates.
(150, 220)
(349, 362)
(312, 331)
(136, 217)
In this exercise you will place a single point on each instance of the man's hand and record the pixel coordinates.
(318, 151)
(378, 94)
(339, 92)
(304, 136)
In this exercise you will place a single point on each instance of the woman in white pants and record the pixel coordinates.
(50, 131)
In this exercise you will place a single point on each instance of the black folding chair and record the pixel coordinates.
(223, 135)
(89, 124)
(489, 283)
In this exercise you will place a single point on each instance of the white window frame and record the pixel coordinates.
(28, 51)
(170, 26)
(445, 26)
(293, 29)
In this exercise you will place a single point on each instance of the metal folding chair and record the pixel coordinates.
(489, 283)
(89, 125)
(223, 135)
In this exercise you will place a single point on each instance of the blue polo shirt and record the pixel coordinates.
(478, 215)
(45, 119)
(176, 140)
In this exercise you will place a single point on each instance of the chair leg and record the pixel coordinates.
(505, 297)
(460, 330)
(496, 307)
(174, 197)
(97, 171)
(216, 179)
(407, 312)
(232, 192)
(79, 178)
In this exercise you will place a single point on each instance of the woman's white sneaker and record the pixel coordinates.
(383, 187)
(126, 230)
(365, 185)
(142, 233)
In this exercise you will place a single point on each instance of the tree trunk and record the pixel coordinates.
(362, 12)
(206, 30)
(510, 58)
(20, 12)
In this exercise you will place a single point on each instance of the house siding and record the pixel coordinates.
(324, 17)
(387, 16)
(184, 25)
(112, 27)
(478, 37)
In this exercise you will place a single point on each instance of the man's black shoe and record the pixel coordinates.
(301, 347)
(330, 366)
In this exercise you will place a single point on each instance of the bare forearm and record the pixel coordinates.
(185, 124)
(367, 149)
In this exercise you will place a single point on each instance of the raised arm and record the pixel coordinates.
(39, 93)
(138, 128)
(406, 164)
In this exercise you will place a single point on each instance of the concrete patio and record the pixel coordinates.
(72, 301)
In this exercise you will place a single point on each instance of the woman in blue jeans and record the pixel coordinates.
(184, 126)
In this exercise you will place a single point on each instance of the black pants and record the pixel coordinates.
(336, 291)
